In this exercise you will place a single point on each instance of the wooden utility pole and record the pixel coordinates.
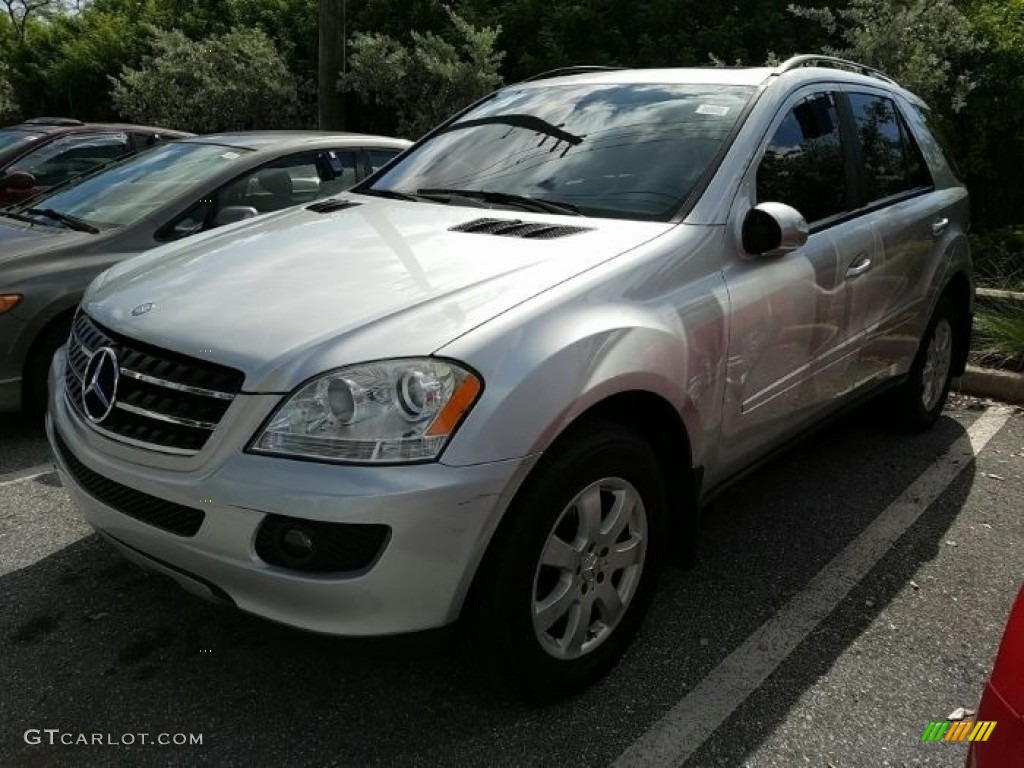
(333, 34)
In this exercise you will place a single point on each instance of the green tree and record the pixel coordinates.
(8, 106)
(990, 131)
(923, 44)
(423, 82)
(224, 82)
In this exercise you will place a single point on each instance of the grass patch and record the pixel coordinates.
(999, 258)
(999, 334)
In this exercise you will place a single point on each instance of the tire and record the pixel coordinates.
(37, 366)
(516, 596)
(917, 403)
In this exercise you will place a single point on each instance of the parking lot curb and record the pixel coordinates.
(1006, 386)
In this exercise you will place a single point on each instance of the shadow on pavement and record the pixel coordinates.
(22, 442)
(89, 643)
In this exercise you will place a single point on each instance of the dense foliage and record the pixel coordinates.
(416, 86)
(232, 81)
(410, 62)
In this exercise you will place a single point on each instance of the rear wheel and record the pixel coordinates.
(919, 401)
(567, 585)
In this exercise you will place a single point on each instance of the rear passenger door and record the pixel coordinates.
(895, 191)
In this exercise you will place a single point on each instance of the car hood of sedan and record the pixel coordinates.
(20, 239)
(296, 293)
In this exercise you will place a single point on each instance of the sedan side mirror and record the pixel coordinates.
(232, 213)
(773, 229)
(329, 166)
(19, 180)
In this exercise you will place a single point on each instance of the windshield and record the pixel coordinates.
(12, 139)
(124, 193)
(626, 151)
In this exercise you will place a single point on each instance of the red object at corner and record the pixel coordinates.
(1003, 700)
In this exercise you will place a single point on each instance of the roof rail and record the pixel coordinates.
(819, 60)
(577, 70)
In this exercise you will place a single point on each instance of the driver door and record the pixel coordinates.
(789, 352)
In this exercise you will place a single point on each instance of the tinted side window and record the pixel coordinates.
(287, 181)
(380, 157)
(347, 176)
(892, 161)
(804, 165)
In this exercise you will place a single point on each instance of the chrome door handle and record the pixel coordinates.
(939, 226)
(858, 267)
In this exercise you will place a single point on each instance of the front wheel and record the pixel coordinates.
(919, 401)
(37, 366)
(570, 577)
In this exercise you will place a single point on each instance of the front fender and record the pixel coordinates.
(541, 376)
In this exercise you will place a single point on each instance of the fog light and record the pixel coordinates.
(296, 544)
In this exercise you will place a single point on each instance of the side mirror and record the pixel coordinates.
(329, 166)
(232, 213)
(19, 180)
(773, 229)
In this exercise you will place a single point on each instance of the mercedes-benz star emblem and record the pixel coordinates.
(99, 386)
(142, 309)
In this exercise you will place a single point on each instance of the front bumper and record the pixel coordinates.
(441, 520)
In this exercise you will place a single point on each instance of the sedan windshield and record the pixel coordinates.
(124, 193)
(616, 150)
(12, 139)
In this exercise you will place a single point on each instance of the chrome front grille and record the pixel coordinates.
(164, 401)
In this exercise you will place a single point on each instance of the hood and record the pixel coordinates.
(290, 295)
(19, 238)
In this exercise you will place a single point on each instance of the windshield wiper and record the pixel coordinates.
(505, 198)
(18, 216)
(72, 222)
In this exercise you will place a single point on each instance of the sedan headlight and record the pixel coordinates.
(386, 412)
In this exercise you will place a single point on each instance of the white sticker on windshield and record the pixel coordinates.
(229, 155)
(712, 109)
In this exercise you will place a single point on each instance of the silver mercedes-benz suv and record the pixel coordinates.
(498, 379)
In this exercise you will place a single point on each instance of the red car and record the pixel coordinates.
(46, 151)
(1003, 700)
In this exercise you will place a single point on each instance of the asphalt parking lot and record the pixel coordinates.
(846, 594)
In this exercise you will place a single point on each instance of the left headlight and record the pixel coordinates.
(391, 411)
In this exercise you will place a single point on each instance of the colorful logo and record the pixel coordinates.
(958, 730)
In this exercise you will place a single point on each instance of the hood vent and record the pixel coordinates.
(331, 205)
(531, 230)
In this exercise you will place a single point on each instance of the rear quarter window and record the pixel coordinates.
(932, 137)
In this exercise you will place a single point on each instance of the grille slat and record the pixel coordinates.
(174, 402)
(532, 230)
(175, 518)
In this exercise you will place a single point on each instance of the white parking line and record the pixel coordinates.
(678, 734)
(27, 474)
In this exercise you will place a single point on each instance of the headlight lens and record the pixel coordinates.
(385, 412)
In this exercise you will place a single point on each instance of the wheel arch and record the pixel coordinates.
(63, 315)
(657, 421)
(958, 292)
